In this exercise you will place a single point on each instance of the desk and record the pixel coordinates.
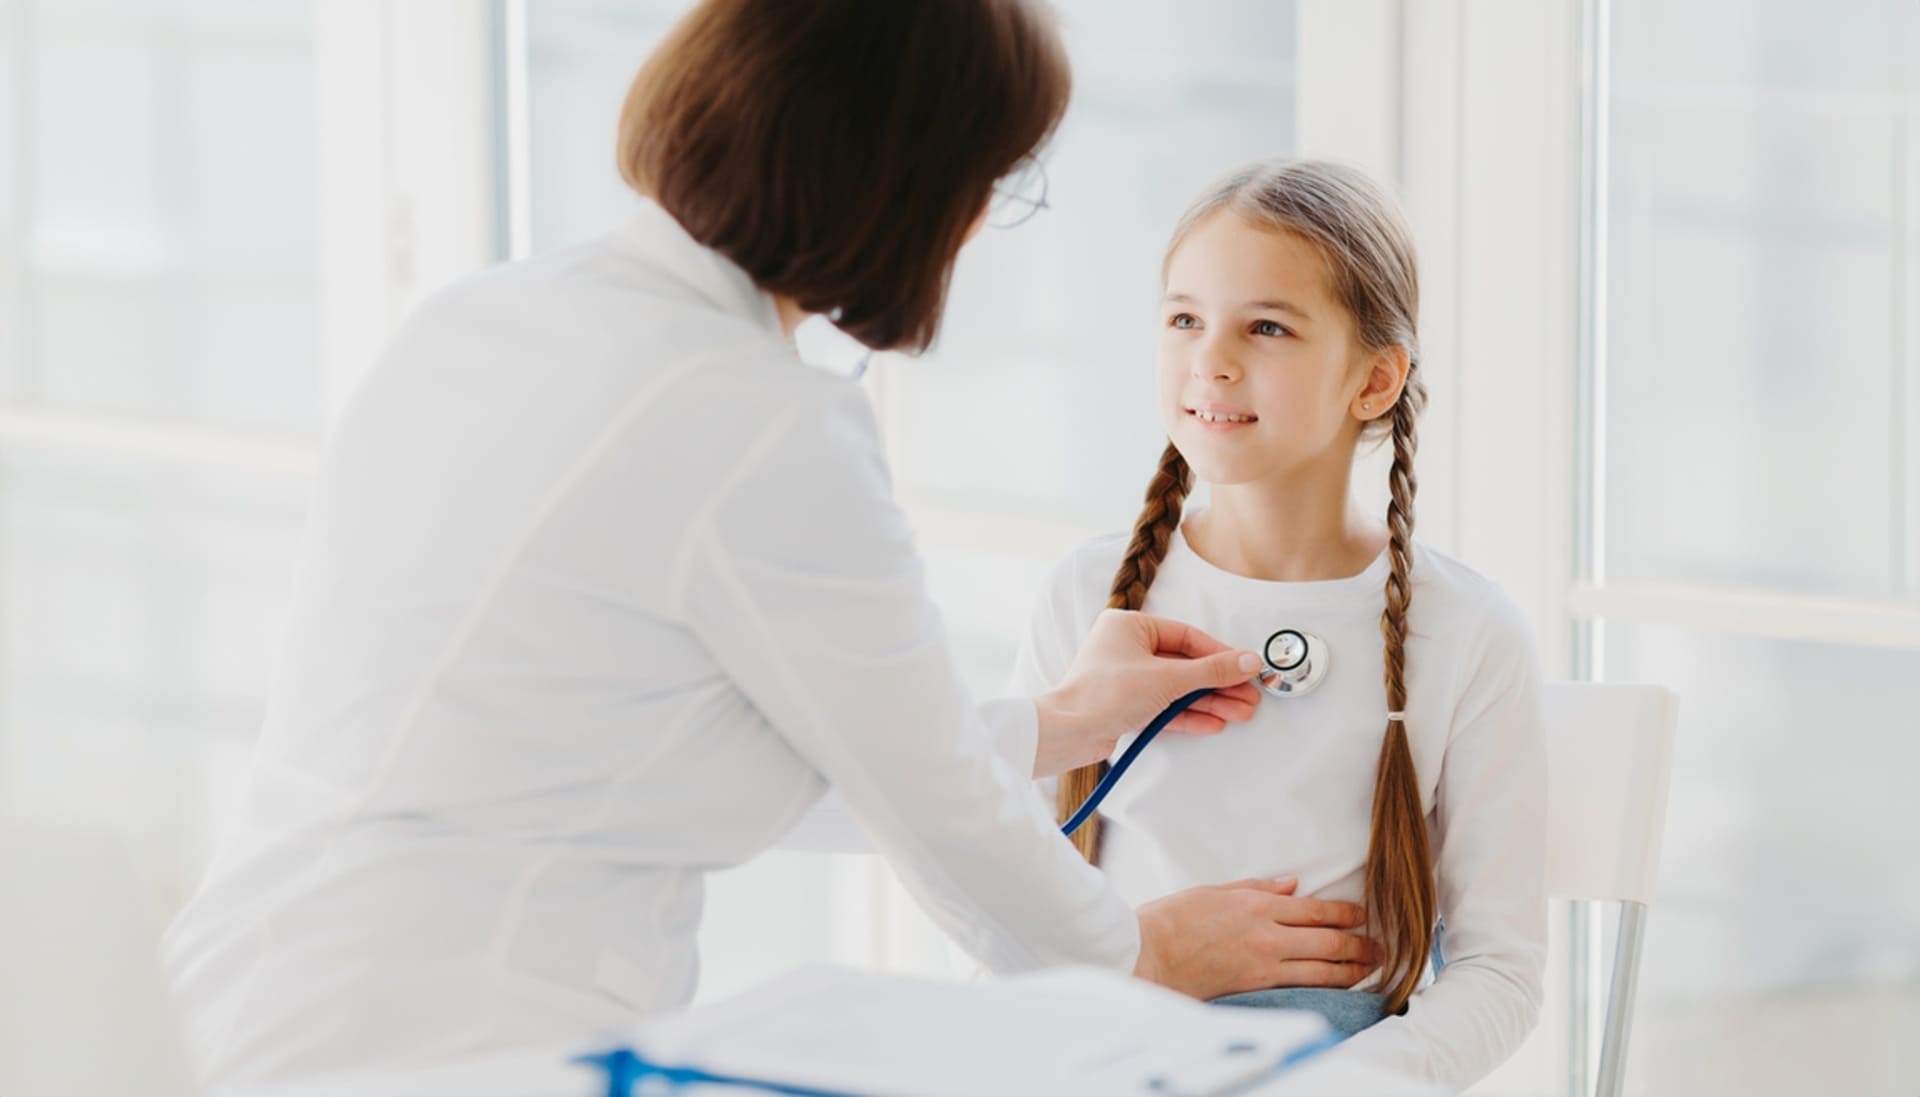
(1065, 1030)
(547, 1074)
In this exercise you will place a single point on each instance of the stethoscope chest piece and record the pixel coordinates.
(1296, 663)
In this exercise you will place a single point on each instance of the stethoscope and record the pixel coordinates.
(1295, 663)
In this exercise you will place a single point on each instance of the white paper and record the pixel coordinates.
(1057, 1034)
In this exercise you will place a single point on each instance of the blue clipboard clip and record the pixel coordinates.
(629, 1074)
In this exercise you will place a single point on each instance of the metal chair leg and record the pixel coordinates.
(1620, 998)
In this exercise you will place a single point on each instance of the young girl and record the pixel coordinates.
(1287, 340)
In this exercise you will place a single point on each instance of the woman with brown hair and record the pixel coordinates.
(603, 589)
(1402, 765)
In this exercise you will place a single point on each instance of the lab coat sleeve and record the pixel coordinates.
(1013, 724)
(802, 579)
(830, 827)
(1489, 826)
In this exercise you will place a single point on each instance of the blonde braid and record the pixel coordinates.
(1152, 532)
(1399, 857)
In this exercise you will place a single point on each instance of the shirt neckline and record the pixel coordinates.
(1368, 583)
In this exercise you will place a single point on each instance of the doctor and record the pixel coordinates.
(603, 589)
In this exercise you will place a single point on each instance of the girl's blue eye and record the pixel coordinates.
(1184, 321)
(1268, 327)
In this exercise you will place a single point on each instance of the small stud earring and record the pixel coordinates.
(1366, 405)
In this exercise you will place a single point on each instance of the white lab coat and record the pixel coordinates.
(602, 589)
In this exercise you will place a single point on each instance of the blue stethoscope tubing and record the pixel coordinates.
(1147, 734)
(1292, 673)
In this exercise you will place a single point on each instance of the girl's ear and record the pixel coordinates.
(1386, 376)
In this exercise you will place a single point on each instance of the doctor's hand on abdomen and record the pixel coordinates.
(1209, 942)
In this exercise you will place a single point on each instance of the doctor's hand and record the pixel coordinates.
(1129, 669)
(1254, 935)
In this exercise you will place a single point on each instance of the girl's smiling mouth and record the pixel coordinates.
(1221, 416)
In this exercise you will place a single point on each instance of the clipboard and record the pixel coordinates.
(1072, 1033)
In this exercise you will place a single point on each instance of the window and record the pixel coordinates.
(161, 390)
(209, 220)
(574, 60)
(1756, 528)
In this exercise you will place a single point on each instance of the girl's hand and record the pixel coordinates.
(1207, 942)
(1131, 667)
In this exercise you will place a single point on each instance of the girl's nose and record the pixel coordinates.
(1210, 364)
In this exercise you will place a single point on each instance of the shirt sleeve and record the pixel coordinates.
(1054, 632)
(1489, 824)
(802, 579)
(1046, 651)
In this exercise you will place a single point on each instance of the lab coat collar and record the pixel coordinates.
(709, 273)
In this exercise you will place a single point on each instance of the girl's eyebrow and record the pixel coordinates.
(1266, 306)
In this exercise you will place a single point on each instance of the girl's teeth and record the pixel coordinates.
(1213, 417)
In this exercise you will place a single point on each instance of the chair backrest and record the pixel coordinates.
(1609, 762)
(83, 1006)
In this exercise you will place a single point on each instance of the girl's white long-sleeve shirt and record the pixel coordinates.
(1291, 791)
(602, 589)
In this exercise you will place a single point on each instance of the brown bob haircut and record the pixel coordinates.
(839, 151)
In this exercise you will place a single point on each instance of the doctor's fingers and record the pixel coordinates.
(1231, 702)
(1171, 637)
(1219, 710)
(1336, 946)
(1197, 723)
(1292, 910)
(1275, 885)
(1200, 721)
(1245, 691)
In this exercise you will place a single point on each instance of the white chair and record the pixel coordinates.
(84, 1011)
(1609, 763)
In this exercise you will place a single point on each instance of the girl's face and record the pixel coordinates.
(1260, 372)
